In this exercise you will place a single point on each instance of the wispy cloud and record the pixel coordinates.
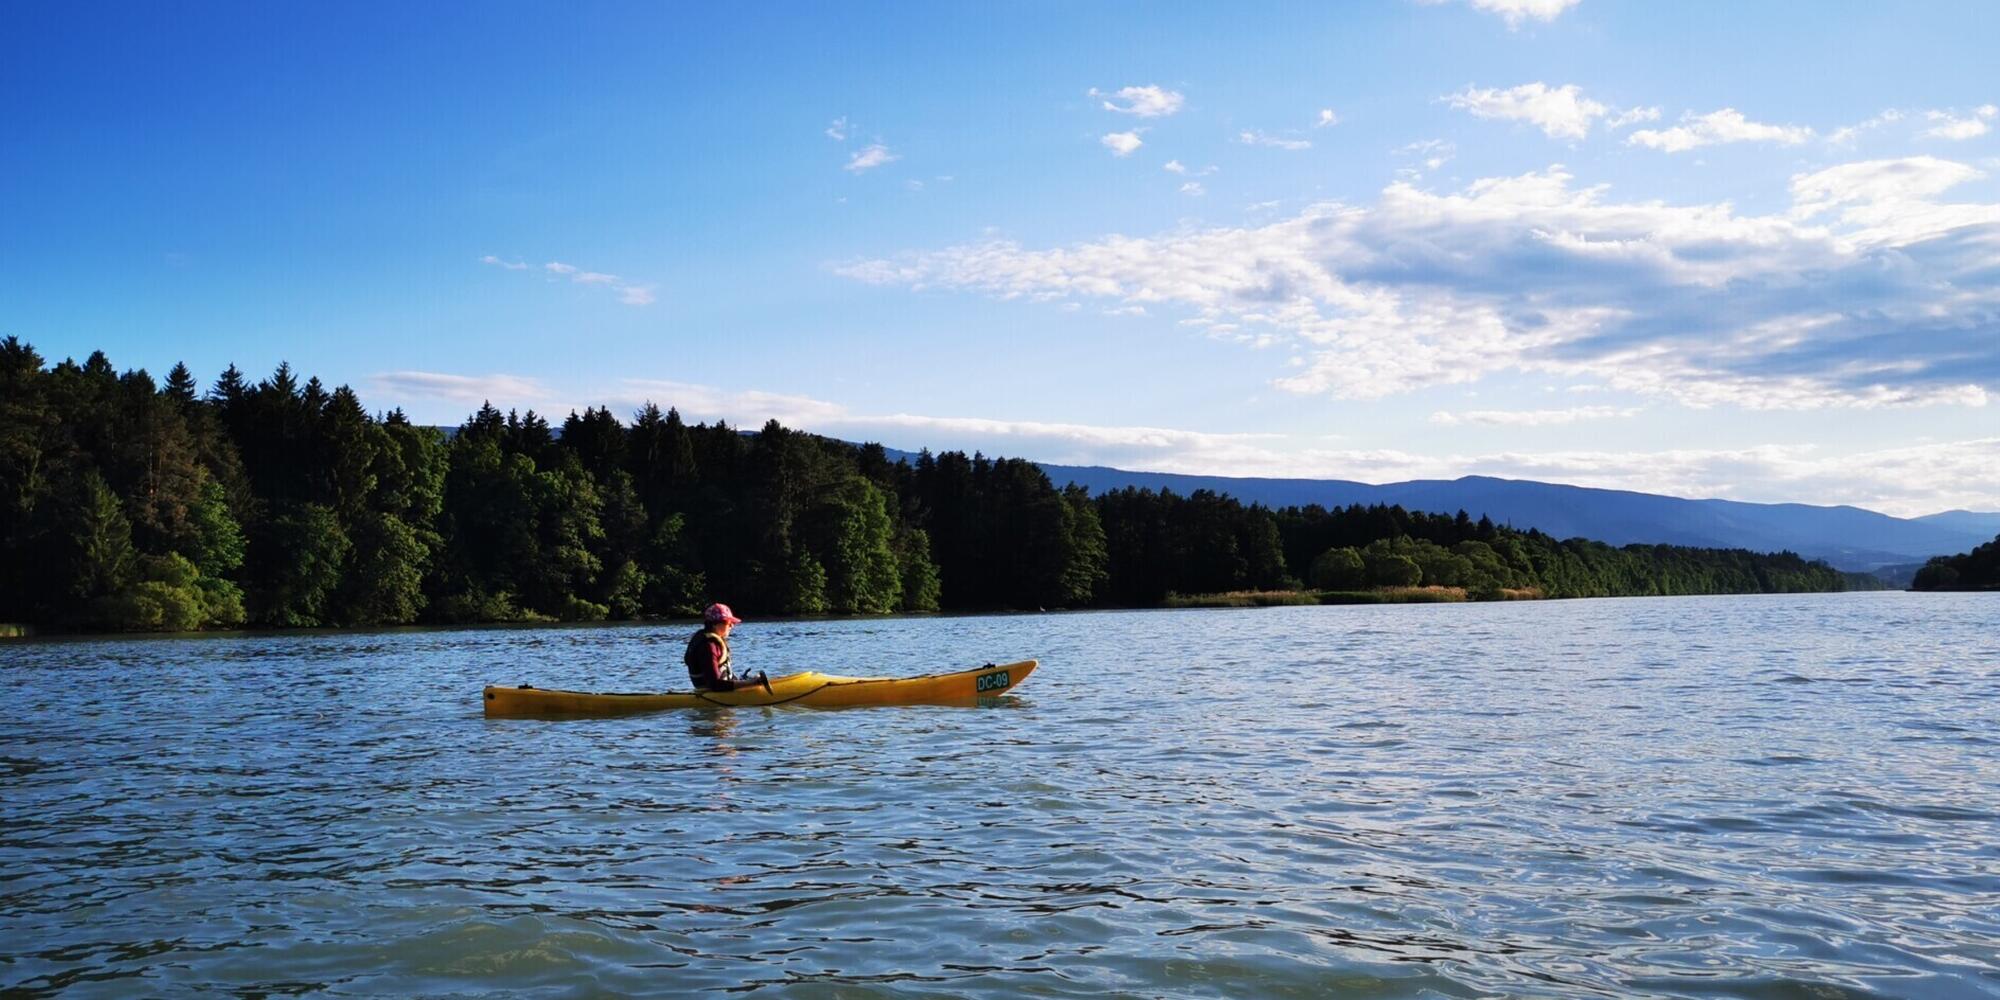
(1871, 292)
(501, 390)
(1515, 12)
(1194, 189)
(1716, 127)
(1632, 116)
(1560, 112)
(1435, 153)
(1177, 167)
(555, 270)
(1847, 134)
(1955, 128)
(1253, 137)
(1145, 102)
(1326, 118)
(1532, 418)
(837, 129)
(869, 157)
(1122, 143)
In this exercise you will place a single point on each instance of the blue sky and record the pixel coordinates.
(1748, 251)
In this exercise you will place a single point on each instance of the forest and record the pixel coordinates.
(1978, 569)
(130, 504)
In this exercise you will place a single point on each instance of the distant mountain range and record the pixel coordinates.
(1849, 538)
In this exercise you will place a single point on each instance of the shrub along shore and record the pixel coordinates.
(127, 503)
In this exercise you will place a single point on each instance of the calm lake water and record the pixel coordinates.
(1749, 797)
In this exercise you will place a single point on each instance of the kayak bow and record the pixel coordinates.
(810, 690)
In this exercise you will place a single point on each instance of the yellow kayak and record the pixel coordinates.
(810, 689)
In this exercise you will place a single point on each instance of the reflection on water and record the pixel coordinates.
(1738, 796)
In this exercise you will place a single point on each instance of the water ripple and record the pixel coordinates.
(1754, 797)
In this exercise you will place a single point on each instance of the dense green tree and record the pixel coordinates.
(847, 531)
(920, 575)
(129, 504)
(1388, 569)
(1978, 569)
(1339, 568)
(98, 539)
(298, 556)
(805, 591)
(1086, 555)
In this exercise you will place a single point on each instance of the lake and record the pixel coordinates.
(1740, 796)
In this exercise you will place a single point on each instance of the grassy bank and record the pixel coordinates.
(1242, 599)
(1373, 595)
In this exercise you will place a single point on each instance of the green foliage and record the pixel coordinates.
(217, 540)
(1388, 569)
(806, 590)
(1085, 559)
(847, 530)
(101, 552)
(1338, 568)
(920, 575)
(297, 557)
(383, 582)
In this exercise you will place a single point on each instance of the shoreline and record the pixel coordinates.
(34, 635)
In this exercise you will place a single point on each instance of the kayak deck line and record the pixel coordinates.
(810, 689)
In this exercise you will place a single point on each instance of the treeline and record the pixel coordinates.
(131, 504)
(1978, 569)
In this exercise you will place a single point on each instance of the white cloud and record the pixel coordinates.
(1848, 133)
(1532, 418)
(502, 390)
(632, 295)
(1561, 112)
(1952, 127)
(1326, 118)
(837, 130)
(1891, 202)
(1516, 11)
(1726, 125)
(1194, 189)
(1174, 167)
(1252, 137)
(1872, 292)
(1435, 152)
(1632, 116)
(1122, 143)
(1145, 102)
(869, 157)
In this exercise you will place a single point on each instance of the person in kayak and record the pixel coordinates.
(707, 655)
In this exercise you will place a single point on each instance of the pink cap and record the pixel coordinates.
(719, 613)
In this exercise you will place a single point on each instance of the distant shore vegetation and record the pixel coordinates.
(131, 504)
(1978, 569)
